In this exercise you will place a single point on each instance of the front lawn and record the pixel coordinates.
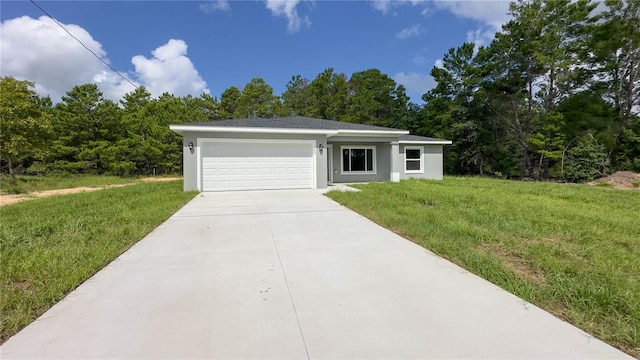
(573, 250)
(51, 245)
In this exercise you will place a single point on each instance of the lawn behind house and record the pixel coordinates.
(49, 246)
(573, 250)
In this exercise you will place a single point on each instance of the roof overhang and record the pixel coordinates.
(180, 129)
(429, 142)
(371, 133)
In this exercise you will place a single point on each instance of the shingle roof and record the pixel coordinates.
(419, 138)
(291, 122)
(306, 123)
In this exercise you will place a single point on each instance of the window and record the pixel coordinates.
(413, 159)
(358, 160)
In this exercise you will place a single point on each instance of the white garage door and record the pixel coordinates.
(256, 166)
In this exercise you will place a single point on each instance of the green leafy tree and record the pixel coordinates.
(200, 109)
(142, 118)
(229, 102)
(409, 118)
(84, 122)
(586, 160)
(23, 123)
(628, 155)
(587, 112)
(549, 140)
(297, 98)
(535, 65)
(374, 99)
(329, 92)
(454, 109)
(615, 54)
(167, 110)
(257, 100)
(557, 49)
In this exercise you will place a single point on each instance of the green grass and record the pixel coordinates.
(51, 245)
(603, 183)
(26, 184)
(573, 250)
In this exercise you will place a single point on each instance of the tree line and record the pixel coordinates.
(86, 133)
(554, 95)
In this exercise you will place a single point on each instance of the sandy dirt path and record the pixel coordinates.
(16, 198)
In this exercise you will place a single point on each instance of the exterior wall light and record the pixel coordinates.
(191, 147)
(320, 147)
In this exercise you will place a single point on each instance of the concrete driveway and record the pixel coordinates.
(291, 275)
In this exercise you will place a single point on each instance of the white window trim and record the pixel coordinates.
(350, 147)
(421, 171)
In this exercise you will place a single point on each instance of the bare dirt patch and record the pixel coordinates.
(514, 262)
(160, 179)
(12, 199)
(620, 180)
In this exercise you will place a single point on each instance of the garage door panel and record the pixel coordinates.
(253, 171)
(253, 166)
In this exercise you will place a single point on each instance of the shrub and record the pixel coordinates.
(585, 161)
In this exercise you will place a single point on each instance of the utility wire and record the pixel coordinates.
(83, 45)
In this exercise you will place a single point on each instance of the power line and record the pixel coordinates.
(83, 45)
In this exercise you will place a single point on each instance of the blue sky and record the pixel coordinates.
(190, 47)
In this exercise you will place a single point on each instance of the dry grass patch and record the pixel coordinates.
(514, 262)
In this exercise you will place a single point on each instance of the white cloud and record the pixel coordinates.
(38, 50)
(439, 64)
(112, 86)
(287, 9)
(170, 70)
(385, 6)
(409, 32)
(416, 84)
(382, 5)
(419, 60)
(491, 13)
(211, 6)
(481, 37)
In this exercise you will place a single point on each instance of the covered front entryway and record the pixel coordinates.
(256, 165)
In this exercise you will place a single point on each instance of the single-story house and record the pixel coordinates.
(301, 153)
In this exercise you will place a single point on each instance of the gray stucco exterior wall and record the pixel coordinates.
(390, 162)
(190, 160)
(189, 163)
(383, 155)
(432, 162)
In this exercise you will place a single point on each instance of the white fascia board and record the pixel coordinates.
(435, 142)
(381, 133)
(224, 129)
